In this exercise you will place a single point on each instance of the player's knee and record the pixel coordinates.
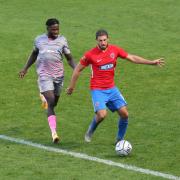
(101, 115)
(51, 103)
(124, 114)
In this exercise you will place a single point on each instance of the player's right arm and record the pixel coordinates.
(74, 78)
(32, 58)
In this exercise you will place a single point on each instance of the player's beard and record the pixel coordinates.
(103, 47)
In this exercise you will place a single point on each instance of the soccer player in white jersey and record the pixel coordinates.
(48, 54)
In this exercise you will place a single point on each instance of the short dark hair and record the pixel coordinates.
(52, 21)
(101, 32)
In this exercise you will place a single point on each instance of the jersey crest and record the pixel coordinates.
(112, 55)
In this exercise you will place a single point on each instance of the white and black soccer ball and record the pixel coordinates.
(123, 148)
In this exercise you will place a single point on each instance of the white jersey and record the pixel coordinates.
(50, 58)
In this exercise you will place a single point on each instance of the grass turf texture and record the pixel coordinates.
(149, 29)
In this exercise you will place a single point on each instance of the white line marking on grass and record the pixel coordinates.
(90, 158)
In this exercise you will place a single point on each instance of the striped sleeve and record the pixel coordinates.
(66, 49)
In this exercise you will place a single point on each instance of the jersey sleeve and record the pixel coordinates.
(66, 49)
(35, 45)
(85, 60)
(122, 53)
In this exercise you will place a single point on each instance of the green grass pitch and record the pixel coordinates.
(146, 28)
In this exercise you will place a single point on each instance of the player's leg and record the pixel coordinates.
(117, 103)
(98, 118)
(123, 122)
(53, 100)
(50, 98)
(99, 103)
(46, 87)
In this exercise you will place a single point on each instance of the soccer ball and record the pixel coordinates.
(123, 148)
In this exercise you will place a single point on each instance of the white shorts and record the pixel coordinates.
(46, 83)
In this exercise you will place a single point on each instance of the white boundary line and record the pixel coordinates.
(90, 158)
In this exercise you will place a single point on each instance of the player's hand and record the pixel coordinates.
(22, 73)
(69, 90)
(159, 62)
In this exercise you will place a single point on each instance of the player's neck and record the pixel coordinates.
(50, 37)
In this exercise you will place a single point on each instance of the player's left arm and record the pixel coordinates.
(70, 60)
(140, 60)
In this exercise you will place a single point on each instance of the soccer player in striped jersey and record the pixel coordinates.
(48, 52)
(105, 94)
